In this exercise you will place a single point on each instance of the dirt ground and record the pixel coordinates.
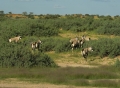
(20, 84)
(15, 83)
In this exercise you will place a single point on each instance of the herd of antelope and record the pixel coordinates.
(78, 42)
(75, 42)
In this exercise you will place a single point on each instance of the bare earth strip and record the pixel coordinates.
(14, 83)
(75, 65)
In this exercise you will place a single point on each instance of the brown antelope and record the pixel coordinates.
(85, 51)
(36, 45)
(85, 38)
(15, 39)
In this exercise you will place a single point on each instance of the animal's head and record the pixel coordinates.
(19, 37)
(39, 41)
(9, 40)
(88, 39)
(83, 37)
(71, 40)
(90, 49)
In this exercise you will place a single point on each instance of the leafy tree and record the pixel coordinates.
(24, 13)
(10, 12)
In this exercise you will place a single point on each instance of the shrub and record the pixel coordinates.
(19, 55)
(55, 44)
(109, 27)
(62, 46)
(105, 47)
(27, 27)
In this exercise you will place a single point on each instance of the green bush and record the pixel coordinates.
(50, 26)
(55, 44)
(105, 47)
(19, 55)
(62, 46)
(109, 27)
(26, 27)
(108, 31)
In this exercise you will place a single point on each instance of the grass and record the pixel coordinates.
(78, 76)
(91, 34)
(66, 57)
(106, 83)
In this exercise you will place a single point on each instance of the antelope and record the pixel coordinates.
(85, 38)
(76, 42)
(82, 42)
(84, 52)
(15, 39)
(36, 45)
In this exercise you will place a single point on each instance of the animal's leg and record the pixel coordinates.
(72, 49)
(85, 57)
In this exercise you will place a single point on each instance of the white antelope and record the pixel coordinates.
(36, 45)
(85, 51)
(15, 39)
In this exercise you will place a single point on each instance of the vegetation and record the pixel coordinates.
(117, 63)
(79, 76)
(32, 63)
(47, 28)
(105, 47)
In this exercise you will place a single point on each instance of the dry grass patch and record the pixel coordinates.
(69, 59)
